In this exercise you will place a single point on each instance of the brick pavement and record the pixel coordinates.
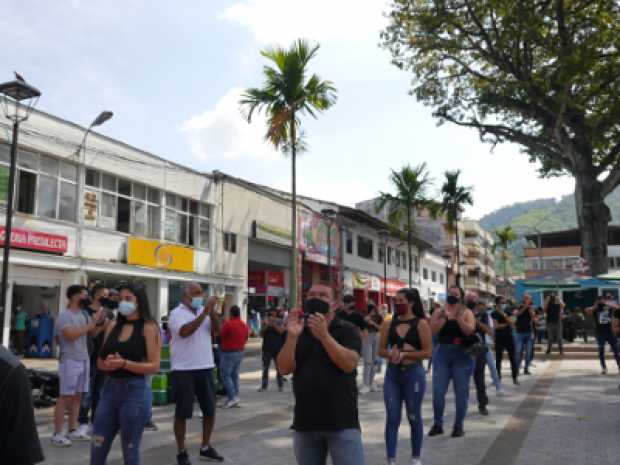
(566, 412)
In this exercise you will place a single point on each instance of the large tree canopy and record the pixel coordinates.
(544, 74)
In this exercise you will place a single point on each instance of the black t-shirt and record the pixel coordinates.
(524, 322)
(325, 396)
(272, 340)
(19, 441)
(355, 318)
(376, 319)
(482, 317)
(553, 313)
(603, 315)
(503, 333)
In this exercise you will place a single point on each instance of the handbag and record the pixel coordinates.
(473, 345)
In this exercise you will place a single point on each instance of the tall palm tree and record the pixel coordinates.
(411, 185)
(286, 94)
(453, 198)
(505, 237)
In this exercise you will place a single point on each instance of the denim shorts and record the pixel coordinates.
(74, 376)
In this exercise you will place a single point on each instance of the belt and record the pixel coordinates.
(232, 350)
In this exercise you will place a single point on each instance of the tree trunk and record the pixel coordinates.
(293, 279)
(409, 241)
(458, 250)
(593, 216)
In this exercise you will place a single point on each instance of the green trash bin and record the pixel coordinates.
(159, 385)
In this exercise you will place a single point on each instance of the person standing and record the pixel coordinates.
(554, 309)
(370, 348)
(603, 313)
(405, 342)
(322, 351)
(234, 335)
(504, 340)
(350, 314)
(452, 325)
(192, 326)
(19, 334)
(272, 331)
(130, 351)
(72, 329)
(525, 318)
(482, 329)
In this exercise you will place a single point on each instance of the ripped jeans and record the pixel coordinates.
(406, 385)
(121, 407)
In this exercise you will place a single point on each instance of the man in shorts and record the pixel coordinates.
(192, 325)
(72, 328)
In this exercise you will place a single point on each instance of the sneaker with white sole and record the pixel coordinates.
(416, 462)
(375, 388)
(364, 390)
(60, 440)
(231, 403)
(78, 436)
(84, 429)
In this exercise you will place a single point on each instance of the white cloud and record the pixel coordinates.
(345, 191)
(222, 132)
(281, 21)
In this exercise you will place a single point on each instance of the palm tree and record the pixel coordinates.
(411, 185)
(505, 237)
(453, 198)
(286, 94)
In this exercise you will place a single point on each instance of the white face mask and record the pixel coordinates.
(126, 308)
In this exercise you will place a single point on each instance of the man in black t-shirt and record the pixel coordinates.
(554, 311)
(19, 441)
(322, 352)
(350, 314)
(272, 331)
(526, 317)
(482, 329)
(503, 339)
(603, 313)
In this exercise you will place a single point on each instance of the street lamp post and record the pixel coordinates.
(330, 214)
(18, 101)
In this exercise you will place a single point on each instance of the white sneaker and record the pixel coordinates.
(364, 390)
(79, 436)
(416, 462)
(60, 440)
(84, 429)
(231, 403)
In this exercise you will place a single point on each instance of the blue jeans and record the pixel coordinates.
(450, 362)
(409, 386)
(609, 338)
(523, 345)
(230, 363)
(121, 407)
(344, 447)
(148, 399)
(493, 369)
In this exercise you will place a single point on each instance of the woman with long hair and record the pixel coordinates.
(453, 326)
(405, 342)
(130, 351)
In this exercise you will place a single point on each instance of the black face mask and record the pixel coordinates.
(453, 300)
(85, 303)
(315, 306)
(109, 303)
(471, 305)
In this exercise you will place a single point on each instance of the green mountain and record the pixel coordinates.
(542, 214)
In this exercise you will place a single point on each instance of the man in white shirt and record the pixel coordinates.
(192, 325)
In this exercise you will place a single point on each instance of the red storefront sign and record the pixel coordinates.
(275, 278)
(393, 286)
(256, 279)
(33, 240)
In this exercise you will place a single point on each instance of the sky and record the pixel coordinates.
(172, 73)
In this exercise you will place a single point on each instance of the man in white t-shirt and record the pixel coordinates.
(192, 326)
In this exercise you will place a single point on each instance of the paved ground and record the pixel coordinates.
(565, 413)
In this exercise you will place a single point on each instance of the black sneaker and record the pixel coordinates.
(210, 455)
(527, 372)
(183, 458)
(458, 433)
(150, 426)
(483, 410)
(436, 430)
(515, 381)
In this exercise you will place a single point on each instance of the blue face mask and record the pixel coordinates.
(126, 308)
(197, 302)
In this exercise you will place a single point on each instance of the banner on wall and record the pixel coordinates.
(313, 239)
(155, 254)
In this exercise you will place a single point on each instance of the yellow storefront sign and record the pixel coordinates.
(154, 254)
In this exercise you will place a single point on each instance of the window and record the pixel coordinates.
(417, 264)
(398, 259)
(230, 242)
(349, 241)
(390, 255)
(434, 276)
(364, 247)
(381, 254)
(425, 273)
(45, 186)
(404, 261)
(440, 278)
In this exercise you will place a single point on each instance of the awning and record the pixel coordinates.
(613, 276)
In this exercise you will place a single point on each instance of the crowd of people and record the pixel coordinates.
(110, 346)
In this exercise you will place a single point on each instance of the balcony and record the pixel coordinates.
(556, 252)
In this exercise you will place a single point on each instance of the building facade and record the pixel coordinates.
(478, 255)
(108, 212)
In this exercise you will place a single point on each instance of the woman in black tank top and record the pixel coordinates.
(130, 351)
(452, 325)
(405, 342)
